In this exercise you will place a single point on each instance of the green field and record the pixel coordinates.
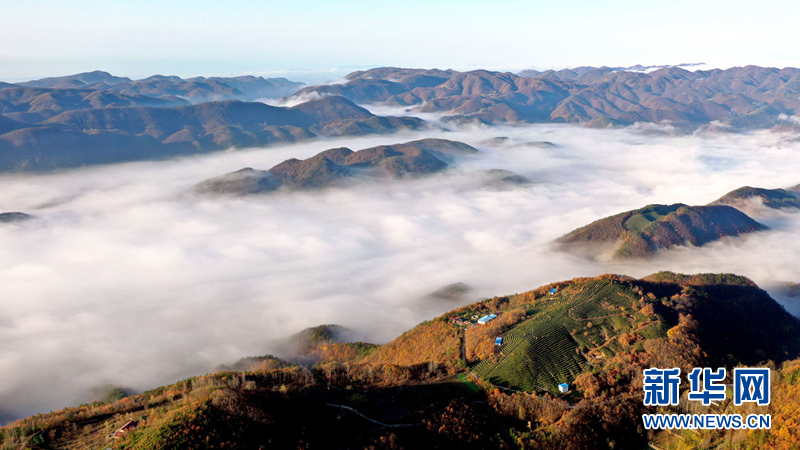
(566, 332)
(649, 214)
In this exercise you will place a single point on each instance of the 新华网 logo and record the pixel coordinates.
(749, 385)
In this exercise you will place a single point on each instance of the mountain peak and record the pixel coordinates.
(642, 232)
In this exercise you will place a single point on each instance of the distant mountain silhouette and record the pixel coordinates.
(80, 79)
(454, 291)
(336, 165)
(772, 198)
(195, 90)
(8, 217)
(595, 72)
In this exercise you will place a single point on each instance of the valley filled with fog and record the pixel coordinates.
(127, 277)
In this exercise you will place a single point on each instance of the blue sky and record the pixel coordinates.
(309, 39)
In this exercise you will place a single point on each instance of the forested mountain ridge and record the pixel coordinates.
(116, 134)
(420, 391)
(96, 118)
(35, 105)
(338, 165)
(643, 232)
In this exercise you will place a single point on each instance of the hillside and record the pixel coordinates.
(35, 105)
(771, 198)
(642, 232)
(415, 392)
(323, 343)
(8, 125)
(116, 134)
(334, 166)
(735, 99)
(437, 342)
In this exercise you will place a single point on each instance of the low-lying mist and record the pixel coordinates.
(127, 278)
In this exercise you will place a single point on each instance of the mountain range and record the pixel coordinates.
(194, 90)
(735, 99)
(575, 72)
(34, 105)
(96, 117)
(110, 134)
(38, 100)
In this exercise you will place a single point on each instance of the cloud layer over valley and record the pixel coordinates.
(127, 277)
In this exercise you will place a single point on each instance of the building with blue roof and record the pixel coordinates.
(484, 319)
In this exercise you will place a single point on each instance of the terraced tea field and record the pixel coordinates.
(568, 330)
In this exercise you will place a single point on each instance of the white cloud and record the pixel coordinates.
(128, 278)
(294, 100)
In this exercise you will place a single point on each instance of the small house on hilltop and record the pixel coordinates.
(125, 428)
(563, 387)
(553, 291)
(483, 320)
(498, 340)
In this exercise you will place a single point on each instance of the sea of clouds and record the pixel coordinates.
(128, 278)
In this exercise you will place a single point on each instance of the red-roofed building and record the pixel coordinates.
(125, 428)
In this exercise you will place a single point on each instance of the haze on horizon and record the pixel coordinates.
(314, 41)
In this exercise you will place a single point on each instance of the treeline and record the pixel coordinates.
(434, 342)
